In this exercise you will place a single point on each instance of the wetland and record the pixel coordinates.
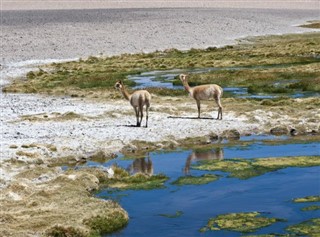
(181, 176)
(196, 200)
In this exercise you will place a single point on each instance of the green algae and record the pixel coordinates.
(123, 180)
(194, 180)
(248, 168)
(240, 222)
(176, 215)
(311, 208)
(307, 199)
(307, 228)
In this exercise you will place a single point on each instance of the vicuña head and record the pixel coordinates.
(118, 84)
(204, 92)
(138, 99)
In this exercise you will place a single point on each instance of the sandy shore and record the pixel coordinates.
(34, 37)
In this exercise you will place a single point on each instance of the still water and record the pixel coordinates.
(164, 79)
(271, 193)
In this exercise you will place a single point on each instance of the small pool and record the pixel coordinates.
(271, 193)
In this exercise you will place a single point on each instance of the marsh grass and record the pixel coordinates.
(240, 222)
(311, 208)
(312, 24)
(307, 228)
(176, 215)
(307, 199)
(248, 168)
(260, 62)
(122, 180)
(196, 180)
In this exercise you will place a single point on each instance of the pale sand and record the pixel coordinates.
(99, 4)
(57, 35)
(51, 34)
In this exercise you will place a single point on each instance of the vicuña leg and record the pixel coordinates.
(137, 115)
(217, 99)
(141, 115)
(147, 115)
(198, 105)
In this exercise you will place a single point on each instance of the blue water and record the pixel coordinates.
(165, 78)
(270, 193)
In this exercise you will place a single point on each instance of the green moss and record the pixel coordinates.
(307, 199)
(176, 215)
(101, 224)
(307, 228)
(240, 222)
(64, 231)
(123, 180)
(311, 208)
(193, 180)
(248, 168)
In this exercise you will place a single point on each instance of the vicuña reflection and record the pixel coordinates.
(214, 154)
(141, 165)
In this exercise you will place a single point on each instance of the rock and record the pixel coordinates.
(232, 134)
(293, 132)
(213, 136)
(278, 131)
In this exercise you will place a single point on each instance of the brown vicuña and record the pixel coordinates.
(138, 100)
(204, 92)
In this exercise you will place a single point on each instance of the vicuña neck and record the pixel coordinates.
(187, 87)
(125, 93)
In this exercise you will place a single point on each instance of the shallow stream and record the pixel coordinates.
(164, 79)
(183, 210)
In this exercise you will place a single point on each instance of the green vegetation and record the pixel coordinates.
(248, 168)
(193, 180)
(311, 208)
(176, 215)
(59, 231)
(272, 64)
(307, 228)
(123, 180)
(312, 24)
(307, 199)
(105, 224)
(241, 222)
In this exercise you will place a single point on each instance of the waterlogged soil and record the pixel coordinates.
(190, 198)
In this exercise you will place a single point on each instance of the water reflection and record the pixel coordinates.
(214, 154)
(145, 165)
(141, 165)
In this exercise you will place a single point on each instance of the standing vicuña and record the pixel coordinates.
(204, 92)
(138, 100)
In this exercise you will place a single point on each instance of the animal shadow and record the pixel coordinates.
(187, 117)
(130, 126)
